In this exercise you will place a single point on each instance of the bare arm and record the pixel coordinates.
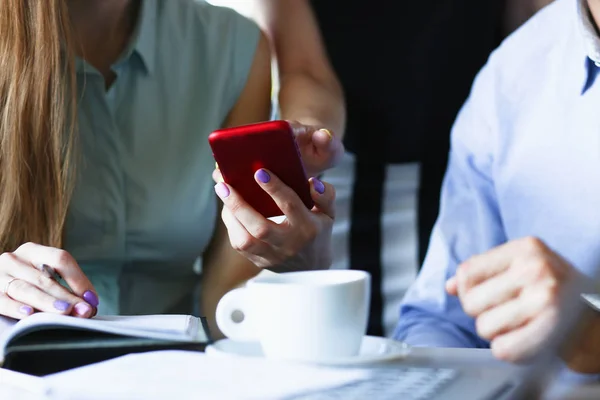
(519, 11)
(223, 267)
(310, 92)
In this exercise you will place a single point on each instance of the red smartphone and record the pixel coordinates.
(243, 150)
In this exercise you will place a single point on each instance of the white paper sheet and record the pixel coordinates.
(188, 375)
(16, 386)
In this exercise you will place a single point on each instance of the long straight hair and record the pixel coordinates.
(37, 121)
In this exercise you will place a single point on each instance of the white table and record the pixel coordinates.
(16, 386)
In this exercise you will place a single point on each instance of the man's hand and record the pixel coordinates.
(319, 147)
(514, 293)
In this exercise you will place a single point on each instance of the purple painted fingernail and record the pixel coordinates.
(263, 176)
(83, 309)
(222, 190)
(318, 185)
(61, 305)
(91, 298)
(26, 310)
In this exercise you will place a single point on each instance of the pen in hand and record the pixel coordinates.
(52, 274)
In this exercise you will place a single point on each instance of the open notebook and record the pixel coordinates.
(47, 343)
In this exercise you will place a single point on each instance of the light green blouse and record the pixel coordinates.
(144, 208)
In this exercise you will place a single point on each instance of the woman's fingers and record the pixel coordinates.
(14, 309)
(302, 133)
(39, 290)
(286, 199)
(64, 264)
(323, 194)
(240, 239)
(320, 148)
(266, 243)
(36, 277)
(251, 223)
(217, 176)
(26, 293)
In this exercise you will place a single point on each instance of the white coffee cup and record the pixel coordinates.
(304, 316)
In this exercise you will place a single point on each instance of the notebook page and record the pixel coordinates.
(15, 385)
(190, 375)
(175, 324)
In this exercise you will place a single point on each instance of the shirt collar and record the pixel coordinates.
(145, 35)
(591, 42)
(588, 30)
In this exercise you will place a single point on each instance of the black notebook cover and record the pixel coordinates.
(52, 350)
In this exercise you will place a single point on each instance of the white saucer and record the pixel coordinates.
(373, 350)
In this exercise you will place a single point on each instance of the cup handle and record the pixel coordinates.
(230, 307)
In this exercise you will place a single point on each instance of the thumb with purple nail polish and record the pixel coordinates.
(323, 194)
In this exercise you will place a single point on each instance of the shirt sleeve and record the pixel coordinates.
(469, 223)
(569, 377)
(245, 38)
(229, 41)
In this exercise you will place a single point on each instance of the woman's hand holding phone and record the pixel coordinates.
(302, 241)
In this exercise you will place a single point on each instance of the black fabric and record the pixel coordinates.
(366, 234)
(407, 68)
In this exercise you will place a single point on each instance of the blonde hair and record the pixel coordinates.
(37, 121)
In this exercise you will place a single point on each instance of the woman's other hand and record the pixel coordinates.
(301, 242)
(26, 288)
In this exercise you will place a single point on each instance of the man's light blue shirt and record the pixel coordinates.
(524, 161)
